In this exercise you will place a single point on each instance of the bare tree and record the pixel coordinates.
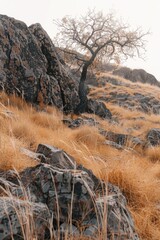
(97, 36)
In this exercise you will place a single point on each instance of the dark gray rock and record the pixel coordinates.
(98, 108)
(55, 157)
(59, 158)
(31, 68)
(118, 138)
(113, 144)
(116, 206)
(33, 155)
(73, 196)
(153, 137)
(67, 230)
(80, 122)
(17, 217)
(52, 186)
(121, 139)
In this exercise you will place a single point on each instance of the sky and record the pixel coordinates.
(143, 13)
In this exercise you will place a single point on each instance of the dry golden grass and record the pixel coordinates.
(153, 154)
(148, 219)
(10, 155)
(139, 87)
(52, 120)
(133, 122)
(136, 173)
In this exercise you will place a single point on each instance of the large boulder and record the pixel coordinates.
(74, 196)
(30, 66)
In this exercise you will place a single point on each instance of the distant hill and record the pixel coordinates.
(134, 75)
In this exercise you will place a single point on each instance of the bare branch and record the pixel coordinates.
(97, 36)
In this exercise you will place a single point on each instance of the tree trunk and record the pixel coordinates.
(83, 91)
(84, 73)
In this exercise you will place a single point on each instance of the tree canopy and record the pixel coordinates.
(97, 36)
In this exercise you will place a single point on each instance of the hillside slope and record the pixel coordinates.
(122, 92)
(135, 167)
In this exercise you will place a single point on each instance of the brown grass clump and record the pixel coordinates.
(137, 191)
(10, 155)
(50, 121)
(147, 220)
(87, 135)
(14, 101)
(25, 133)
(153, 154)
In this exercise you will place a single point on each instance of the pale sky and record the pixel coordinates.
(144, 13)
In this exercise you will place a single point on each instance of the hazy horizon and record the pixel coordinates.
(137, 13)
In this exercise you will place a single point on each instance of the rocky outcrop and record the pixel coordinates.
(118, 140)
(136, 75)
(75, 199)
(80, 122)
(133, 97)
(31, 68)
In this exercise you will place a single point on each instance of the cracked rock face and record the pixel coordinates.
(76, 200)
(30, 66)
(16, 216)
